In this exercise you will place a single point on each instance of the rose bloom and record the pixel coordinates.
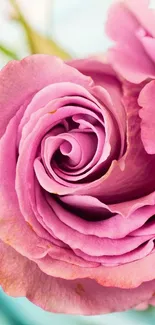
(77, 187)
(131, 24)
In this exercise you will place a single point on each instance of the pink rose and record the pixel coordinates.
(77, 188)
(131, 24)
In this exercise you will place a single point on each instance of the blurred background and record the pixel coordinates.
(69, 29)
(75, 25)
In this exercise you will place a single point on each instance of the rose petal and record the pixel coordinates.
(145, 15)
(114, 227)
(146, 101)
(91, 245)
(63, 296)
(20, 80)
(104, 76)
(128, 57)
(125, 276)
(149, 46)
(78, 95)
(147, 229)
(13, 228)
(136, 254)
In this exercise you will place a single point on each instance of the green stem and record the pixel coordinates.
(8, 52)
(22, 20)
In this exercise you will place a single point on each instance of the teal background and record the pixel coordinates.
(20, 311)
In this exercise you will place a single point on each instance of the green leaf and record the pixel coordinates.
(37, 42)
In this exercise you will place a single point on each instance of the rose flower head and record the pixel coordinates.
(77, 178)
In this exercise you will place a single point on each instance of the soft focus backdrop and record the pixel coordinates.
(77, 26)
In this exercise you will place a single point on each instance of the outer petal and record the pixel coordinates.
(149, 45)
(21, 277)
(125, 276)
(147, 114)
(129, 57)
(20, 80)
(145, 16)
(13, 228)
